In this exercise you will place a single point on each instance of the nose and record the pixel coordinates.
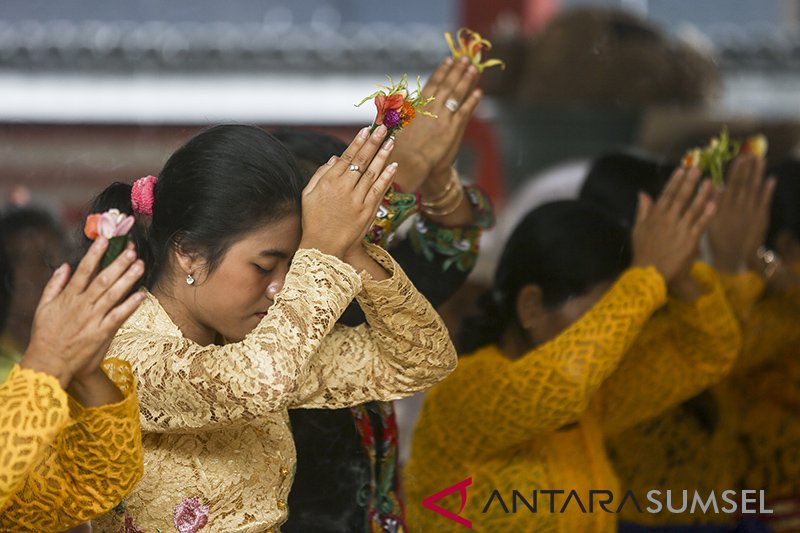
(273, 289)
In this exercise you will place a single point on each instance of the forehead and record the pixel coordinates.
(280, 235)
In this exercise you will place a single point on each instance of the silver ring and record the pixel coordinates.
(451, 104)
(354, 168)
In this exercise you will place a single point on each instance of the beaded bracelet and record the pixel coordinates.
(395, 209)
(460, 244)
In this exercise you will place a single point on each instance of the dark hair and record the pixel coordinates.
(565, 248)
(785, 210)
(221, 184)
(615, 179)
(6, 286)
(21, 220)
(312, 149)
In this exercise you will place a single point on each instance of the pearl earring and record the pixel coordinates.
(189, 279)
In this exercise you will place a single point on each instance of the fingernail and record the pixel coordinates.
(448, 61)
(100, 242)
(392, 168)
(389, 144)
(130, 255)
(472, 69)
(380, 131)
(364, 133)
(60, 270)
(332, 160)
(137, 268)
(464, 60)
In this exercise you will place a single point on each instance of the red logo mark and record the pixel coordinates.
(461, 488)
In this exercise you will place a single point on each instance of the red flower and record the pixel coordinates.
(385, 103)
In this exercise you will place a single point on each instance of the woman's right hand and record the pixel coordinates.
(740, 225)
(77, 318)
(667, 233)
(339, 204)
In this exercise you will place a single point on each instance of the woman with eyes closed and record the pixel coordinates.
(238, 325)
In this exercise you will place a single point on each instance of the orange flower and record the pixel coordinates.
(692, 158)
(756, 145)
(90, 229)
(471, 44)
(408, 113)
(385, 103)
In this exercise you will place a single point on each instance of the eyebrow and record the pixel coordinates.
(274, 253)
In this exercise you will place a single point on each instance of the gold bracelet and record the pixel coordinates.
(433, 202)
(448, 210)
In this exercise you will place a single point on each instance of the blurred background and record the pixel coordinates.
(92, 92)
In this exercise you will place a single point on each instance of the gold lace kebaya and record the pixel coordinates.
(219, 454)
(61, 463)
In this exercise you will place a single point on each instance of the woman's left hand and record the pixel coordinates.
(428, 146)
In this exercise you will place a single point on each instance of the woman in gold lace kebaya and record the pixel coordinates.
(239, 322)
(574, 345)
(70, 445)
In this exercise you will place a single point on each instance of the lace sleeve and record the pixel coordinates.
(769, 330)
(742, 291)
(184, 386)
(403, 349)
(88, 468)
(679, 353)
(550, 386)
(33, 410)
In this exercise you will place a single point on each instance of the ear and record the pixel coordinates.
(529, 307)
(188, 261)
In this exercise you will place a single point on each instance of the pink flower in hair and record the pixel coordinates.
(142, 195)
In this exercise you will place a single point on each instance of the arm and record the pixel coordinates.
(769, 330)
(550, 386)
(438, 256)
(34, 411)
(404, 349)
(679, 353)
(94, 462)
(184, 386)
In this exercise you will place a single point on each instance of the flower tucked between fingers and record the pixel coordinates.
(471, 45)
(712, 158)
(396, 106)
(110, 224)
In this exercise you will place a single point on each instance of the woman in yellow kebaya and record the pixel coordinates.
(70, 444)
(585, 333)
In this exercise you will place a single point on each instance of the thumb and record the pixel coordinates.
(643, 208)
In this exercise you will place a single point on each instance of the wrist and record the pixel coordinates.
(34, 359)
(436, 182)
(326, 247)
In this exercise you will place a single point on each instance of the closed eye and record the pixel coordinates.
(264, 271)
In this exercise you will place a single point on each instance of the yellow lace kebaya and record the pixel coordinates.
(539, 422)
(61, 463)
(219, 454)
(740, 434)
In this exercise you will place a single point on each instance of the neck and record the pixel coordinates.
(191, 327)
(514, 344)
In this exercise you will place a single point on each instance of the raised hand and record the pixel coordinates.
(666, 233)
(739, 226)
(77, 318)
(428, 146)
(340, 201)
